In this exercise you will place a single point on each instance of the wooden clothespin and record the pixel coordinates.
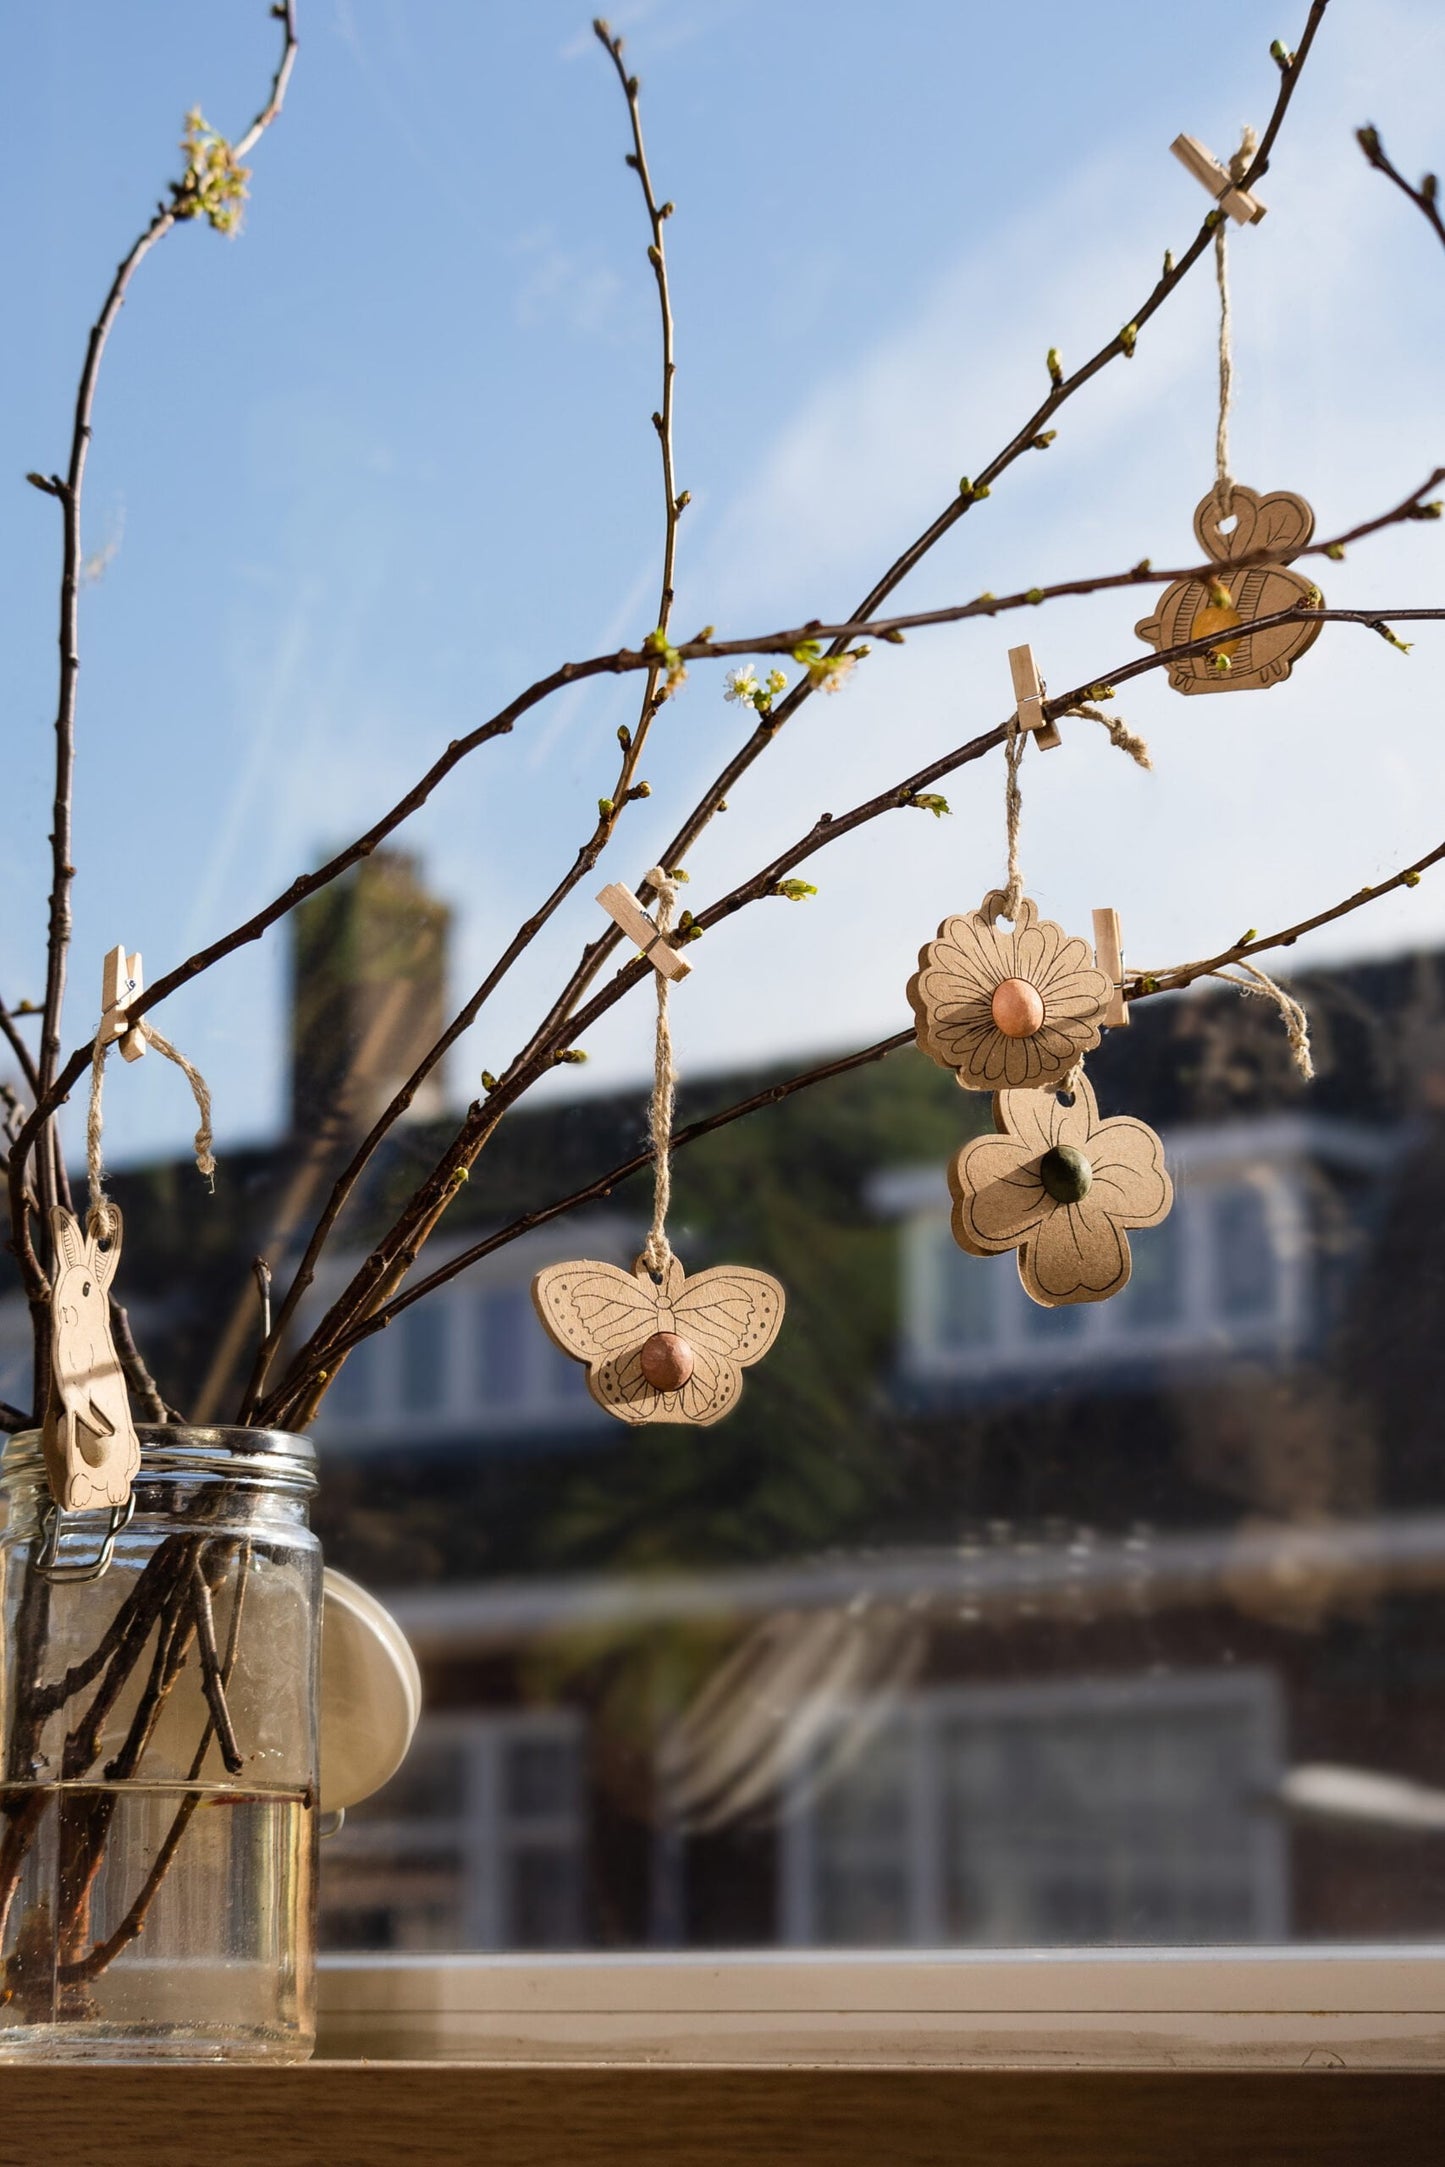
(1109, 955)
(1029, 695)
(622, 906)
(1243, 208)
(121, 982)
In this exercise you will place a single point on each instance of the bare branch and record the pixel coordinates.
(142, 1384)
(595, 1191)
(624, 790)
(68, 493)
(1426, 198)
(377, 1279)
(1140, 986)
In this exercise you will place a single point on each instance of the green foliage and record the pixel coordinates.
(213, 185)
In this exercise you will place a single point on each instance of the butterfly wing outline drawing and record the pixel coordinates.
(729, 1317)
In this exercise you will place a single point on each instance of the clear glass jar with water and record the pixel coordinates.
(158, 1791)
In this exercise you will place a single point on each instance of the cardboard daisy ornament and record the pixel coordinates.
(1007, 1009)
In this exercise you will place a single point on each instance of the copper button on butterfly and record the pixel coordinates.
(668, 1350)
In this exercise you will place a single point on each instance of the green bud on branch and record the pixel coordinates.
(928, 801)
(793, 890)
(1056, 368)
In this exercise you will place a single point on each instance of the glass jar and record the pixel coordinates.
(158, 1716)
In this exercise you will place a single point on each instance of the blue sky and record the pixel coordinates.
(364, 472)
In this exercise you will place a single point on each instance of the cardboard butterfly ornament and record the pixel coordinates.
(1192, 609)
(660, 1348)
(92, 1453)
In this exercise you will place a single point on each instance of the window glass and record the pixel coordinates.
(1244, 1253)
(423, 1332)
(974, 1622)
(504, 1345)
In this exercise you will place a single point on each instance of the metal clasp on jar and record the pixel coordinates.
(52, 1531)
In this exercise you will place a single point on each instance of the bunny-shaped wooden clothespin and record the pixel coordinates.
(120, 985)
(92, 1453)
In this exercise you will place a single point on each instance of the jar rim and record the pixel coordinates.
(269, 1458)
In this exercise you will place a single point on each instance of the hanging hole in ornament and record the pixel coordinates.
(1228, 524)
(1065, 1098)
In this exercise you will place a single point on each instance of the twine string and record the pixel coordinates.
(101, 1220)
(657, 1250)
(1013, 751)
(1292, 1015)
(1239, 165)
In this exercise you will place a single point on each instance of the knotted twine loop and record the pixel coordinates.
(101, 1221)
(657, 1250)
(1239, 165)
(1293, 1016)
(1120, 734)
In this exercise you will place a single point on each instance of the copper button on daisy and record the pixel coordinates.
(1007, 1009)
(1060, 1186)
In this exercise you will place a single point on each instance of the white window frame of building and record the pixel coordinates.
(552, 1393)
(913, 1847)
(1275, 1158)
(482, 1842)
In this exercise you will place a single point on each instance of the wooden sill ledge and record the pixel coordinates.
(403, 2114)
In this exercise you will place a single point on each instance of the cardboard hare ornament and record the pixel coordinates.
(659, 1347)
(1192, 609)
(92, 1453)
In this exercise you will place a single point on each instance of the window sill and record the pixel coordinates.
(1229, 2009)
(351, 2114)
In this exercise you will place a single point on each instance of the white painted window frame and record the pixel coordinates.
(1274, 1157)
(1338, 2007)
(925, 1714)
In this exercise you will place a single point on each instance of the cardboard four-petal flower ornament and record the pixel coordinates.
(660, 1347)
(1061, 1187)
(1192, 609)
(1006, 1010)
